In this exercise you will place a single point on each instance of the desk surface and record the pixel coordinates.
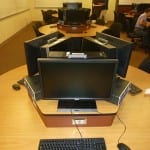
(129, 15)
(21, 127)
(47, 29)
(50, 107)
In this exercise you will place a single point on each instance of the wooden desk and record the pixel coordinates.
(47, 110)
(21, 126)
(47, 29)
(129, 16)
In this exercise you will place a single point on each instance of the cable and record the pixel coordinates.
(121, 121)
(81, 136)
(124, 125)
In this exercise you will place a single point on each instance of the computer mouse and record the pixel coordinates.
(16, 87)
(122, 146)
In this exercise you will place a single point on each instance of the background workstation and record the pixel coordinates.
(21, 20)
(30, 128)
(17, 28)
(31, 11)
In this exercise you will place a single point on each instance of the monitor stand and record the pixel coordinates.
(77, 106)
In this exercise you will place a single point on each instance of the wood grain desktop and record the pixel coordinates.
(21, 126)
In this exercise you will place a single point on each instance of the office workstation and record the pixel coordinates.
(22, 127)
(73, 21)
(77, 83)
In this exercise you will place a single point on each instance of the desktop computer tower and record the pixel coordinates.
(120, 90)
(33, 86)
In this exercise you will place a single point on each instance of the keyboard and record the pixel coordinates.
(72, 144)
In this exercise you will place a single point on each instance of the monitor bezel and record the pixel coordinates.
(122, 48)
(33, 50)
(115, 61)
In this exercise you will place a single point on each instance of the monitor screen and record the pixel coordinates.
(122, 51)
(75, 16)
(33, 50)
(73, 5)
(77, 78)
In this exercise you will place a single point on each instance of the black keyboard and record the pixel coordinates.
(72, 144)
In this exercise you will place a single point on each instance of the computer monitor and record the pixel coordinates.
(122, 51)
(74, 17)
(77, 81)
(33, 50)
(73, 5)
(99, 49)
(66, 44)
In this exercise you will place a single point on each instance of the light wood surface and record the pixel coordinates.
(47, 29)
(50, 107)
(21, 127)
(129, 16)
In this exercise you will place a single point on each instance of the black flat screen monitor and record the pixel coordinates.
(33, 50)
(73, 5)
(122, 51)
(75, 16)
(77, 79)
(106, 51)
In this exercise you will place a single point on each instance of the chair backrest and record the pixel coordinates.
(115, 16)
(145, 65)
(48, 18)
(45, 16)
(108, 31)
(114, 30)
(122, 20)
(36, 25)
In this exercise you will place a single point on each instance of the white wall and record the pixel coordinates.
(35, 12)
(111, 8)
(12, 24)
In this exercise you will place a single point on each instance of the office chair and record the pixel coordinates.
(114, 30)
(100, 21)
(36, 25)
(115, 16)
(145, 65)
(130, 30)
(134, 37)
(48, 18)
(121, 19)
